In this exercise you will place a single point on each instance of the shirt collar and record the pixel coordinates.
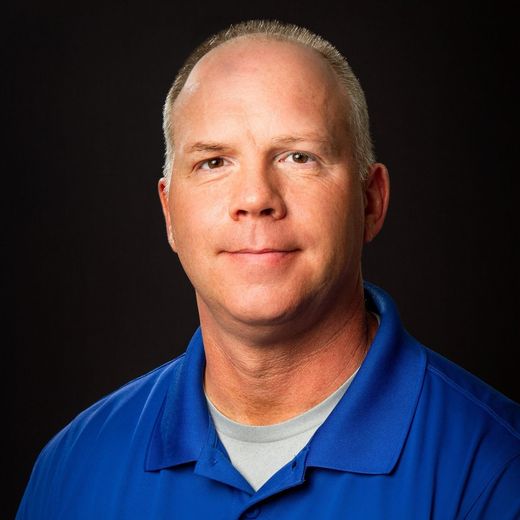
(182, 428)
(366, 431)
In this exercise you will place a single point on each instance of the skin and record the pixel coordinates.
(268, 217)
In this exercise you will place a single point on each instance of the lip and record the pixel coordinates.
(264, 251)
(265, 256)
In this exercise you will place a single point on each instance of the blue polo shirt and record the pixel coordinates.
(414, 437)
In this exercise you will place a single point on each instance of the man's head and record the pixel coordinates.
(355, 108)
(265, 206)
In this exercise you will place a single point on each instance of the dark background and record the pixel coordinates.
(100, 298)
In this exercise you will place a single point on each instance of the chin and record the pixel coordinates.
(262, 319)
(268, 311)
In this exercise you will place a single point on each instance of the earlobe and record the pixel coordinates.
(163, 196)
(376, 195)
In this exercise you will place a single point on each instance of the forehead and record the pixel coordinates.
(248, 77)
(261, 57)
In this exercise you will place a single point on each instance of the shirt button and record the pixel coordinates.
(253, 513)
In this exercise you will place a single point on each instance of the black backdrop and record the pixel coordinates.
(100, 299)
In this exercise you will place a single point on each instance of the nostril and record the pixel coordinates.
(270, 205)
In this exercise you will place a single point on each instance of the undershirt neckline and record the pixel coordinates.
(279, 431)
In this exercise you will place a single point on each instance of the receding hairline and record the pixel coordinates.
(259, 37)
(272, 30)
(321, 75)
(267, 38)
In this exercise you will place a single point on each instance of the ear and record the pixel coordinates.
(165, 199)
(377, 194)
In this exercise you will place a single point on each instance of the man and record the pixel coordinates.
(300, 396)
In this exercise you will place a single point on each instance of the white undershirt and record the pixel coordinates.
(258, 452)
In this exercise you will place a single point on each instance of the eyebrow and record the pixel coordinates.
(291, 139)
(326, 144)
(201, 146)
(216, 147)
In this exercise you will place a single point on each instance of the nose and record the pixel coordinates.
(256, 194)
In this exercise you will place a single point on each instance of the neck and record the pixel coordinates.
(267, 383)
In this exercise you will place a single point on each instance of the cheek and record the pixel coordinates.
(334, 207)
(194, 215)
(339, 226)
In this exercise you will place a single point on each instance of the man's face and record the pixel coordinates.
(265, 206)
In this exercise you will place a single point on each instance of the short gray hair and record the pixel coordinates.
(357, 116)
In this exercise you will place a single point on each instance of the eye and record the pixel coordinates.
(212, 164)
(300, 157)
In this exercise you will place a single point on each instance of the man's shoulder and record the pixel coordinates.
(112, 433)
(123, 410)
(468, 414)
(470, 434)
(480, 397)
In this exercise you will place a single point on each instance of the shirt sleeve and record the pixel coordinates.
(501, 497)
